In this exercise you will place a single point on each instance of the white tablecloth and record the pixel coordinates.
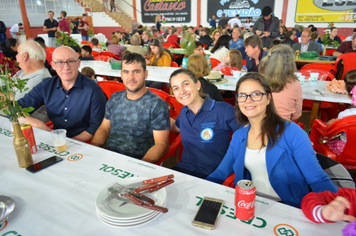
(101, 38)
(60, 200)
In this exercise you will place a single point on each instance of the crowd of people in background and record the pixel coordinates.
(268, 99)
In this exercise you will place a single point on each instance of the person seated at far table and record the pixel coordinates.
(333, 35)
(156, 55)
(205, 38)
(86, 54)
(328, 207)
(345, 47)
(233, 58)
(306, 45)
(9, 48)
(114, 46)
(278, 68)
(220, 48)
(135, 42)
(198, 65)
(136, 121)
(96, 47)
(88, 72)
(254, 52)
(289, 39)
(275, 154)
(73, 101)
(199, 49)
(205, 125)
(349, 38)
(173, 38)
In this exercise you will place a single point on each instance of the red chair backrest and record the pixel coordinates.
(168, 45)
(95, 53)
(175, 143)
(110, 87)
(229, 182)
(84, 42)
(214, 62)
(50, 49)
(342, 37)
(331, 68)
(346, 124)
(349, 62)
(174, 106)
(101, 58)
(174, 64)
(323, 74)
(160, 93)
(109, 54)
(330, 52)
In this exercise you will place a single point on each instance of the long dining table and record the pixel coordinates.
(60, 200)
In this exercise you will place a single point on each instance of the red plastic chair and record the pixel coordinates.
(160, 93)
(101, 58)
(109, 54)
(349, 62)
(174, 64)
(110, 87)
(214, 62)
(168, 45)
(175, 144)
(84, 42)
(95, 53)
(320, 130)
(50, 49)
(229, 182)
(328, 110)
(342, 37)
(330, 52)
(328, 67)
(205, 46)
(323, 74)
(174, 106)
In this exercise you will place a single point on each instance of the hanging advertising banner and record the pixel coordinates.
(245, 8)
(320, 11)
(174, 11)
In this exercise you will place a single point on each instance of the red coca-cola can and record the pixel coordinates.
(28, 133)
(245, 195)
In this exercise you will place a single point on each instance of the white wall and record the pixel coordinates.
(100, 19)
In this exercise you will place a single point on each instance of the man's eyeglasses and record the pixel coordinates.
(255, 97)
(60, 64)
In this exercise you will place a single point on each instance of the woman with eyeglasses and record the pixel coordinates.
(205, 125)
(274, 153)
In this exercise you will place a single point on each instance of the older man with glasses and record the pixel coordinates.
(306, 45)
(73, 101)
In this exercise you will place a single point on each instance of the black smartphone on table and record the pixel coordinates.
(44, 164)
(208, 213)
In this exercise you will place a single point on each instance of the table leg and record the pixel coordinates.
(314, 113)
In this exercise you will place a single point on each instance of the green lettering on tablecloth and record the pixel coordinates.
(10, 233)
(118, 172)
(51, 149)
(230, 213)
(6, 132)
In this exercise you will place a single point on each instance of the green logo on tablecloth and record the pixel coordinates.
(285, 230)
(75, 157)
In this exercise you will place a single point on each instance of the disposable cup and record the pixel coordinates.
(314, 77)
(236, 74)
(298, 74)
(59, 139)
(301, 79)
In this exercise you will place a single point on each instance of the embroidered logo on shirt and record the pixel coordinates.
(207, 134)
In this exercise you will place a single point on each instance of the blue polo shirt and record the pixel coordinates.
(81, 108)
(205, 136)
(236, 44)
(212, 23)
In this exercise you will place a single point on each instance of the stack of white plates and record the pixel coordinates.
(115, 213)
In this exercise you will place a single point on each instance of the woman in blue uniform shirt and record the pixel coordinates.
(275, 154)
(205, 125)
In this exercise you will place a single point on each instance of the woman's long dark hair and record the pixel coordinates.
(224, 40)
(272, 124)
(155, 42)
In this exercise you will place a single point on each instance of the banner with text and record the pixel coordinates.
(325, 11)
(174, 11)
(245, 8)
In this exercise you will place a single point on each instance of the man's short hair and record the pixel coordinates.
(254, 41)
(118, 32)
(237, 15)
(64, 13)
(87, 48)
(20, 24)
(51, 12)
(308, 31)
(84, 14)
(354, 35)
(223, 14)
(94, 41)
(135, 39)
(207, 31)
(88, 71)
(130, 58)
(314, 29)
(34, 50)
(354, 30)
(312, 26)
(191, 27)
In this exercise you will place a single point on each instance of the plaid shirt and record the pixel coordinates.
(267, 24)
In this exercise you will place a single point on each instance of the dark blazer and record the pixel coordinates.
(312, 47)
(290, 42)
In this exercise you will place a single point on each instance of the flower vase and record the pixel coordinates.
(22, 149)
(324, 50)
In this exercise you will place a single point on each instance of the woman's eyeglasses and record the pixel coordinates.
(255, 97)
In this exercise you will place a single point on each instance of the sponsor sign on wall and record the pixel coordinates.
(174, 11)
(321, 11)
